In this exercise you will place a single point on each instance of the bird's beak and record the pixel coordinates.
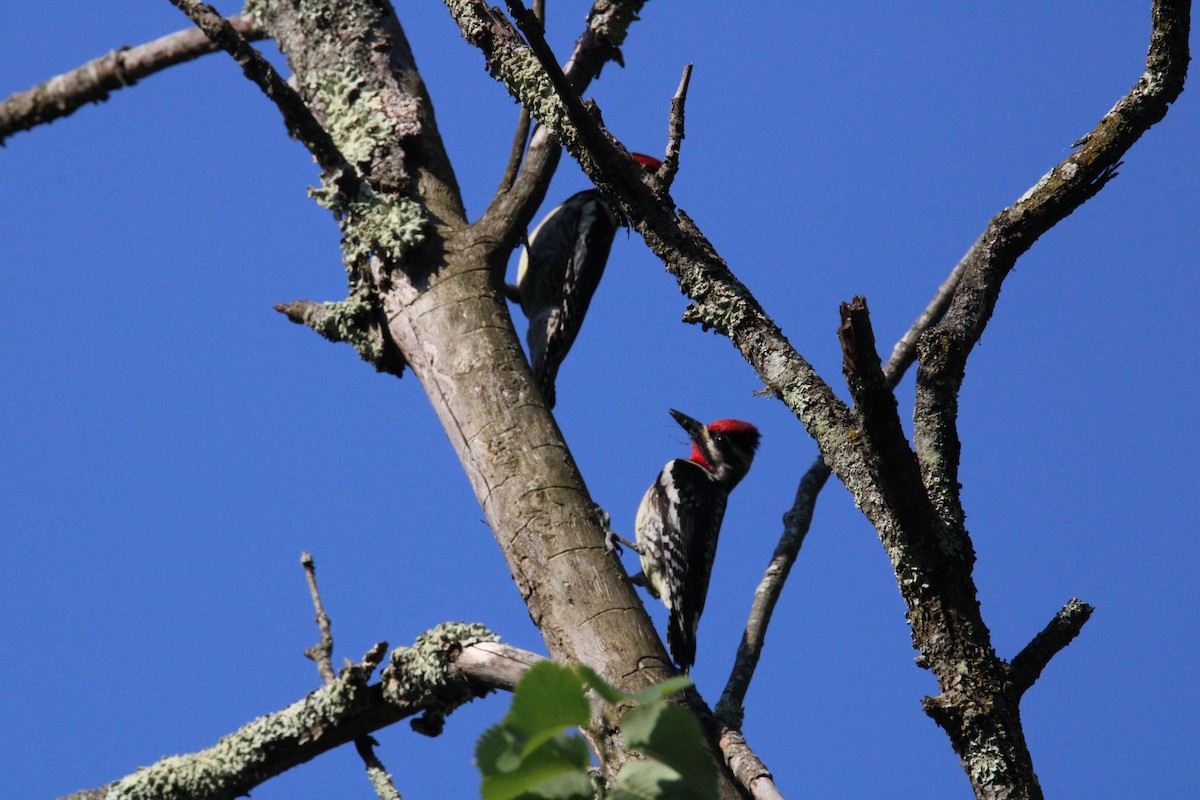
(690, 425)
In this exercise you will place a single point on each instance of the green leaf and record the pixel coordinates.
(555, 758)
(497, 751)
(610, 693)
(546, 701)
(651, 780)
(671, 734)
(571, 786)
(662, 690)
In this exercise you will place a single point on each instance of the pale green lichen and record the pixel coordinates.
(222, 770)
(382, 781)
(351, 320)
(354, 113)
(421, 676)
(386, 227)
(357, 120)
(373, 224)
(985, 763)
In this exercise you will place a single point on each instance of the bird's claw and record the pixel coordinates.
(611, 545)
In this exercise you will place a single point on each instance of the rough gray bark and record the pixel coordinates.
(425, 292)
(446, 316)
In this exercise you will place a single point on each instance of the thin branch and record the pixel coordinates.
(94, 81)
(448, 666)
(385, 787)
(296, 114)
(746, 765)
(594, 139)
(670, 165)
(521, 134)
(352, 321)
(904, 353)
(321, 653)
(796, 522)
(1010, 233)
(1028, 664)
(515, 155)
(798, 519)
(510, 213)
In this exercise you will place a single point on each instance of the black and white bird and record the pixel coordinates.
(679, 522)
(560, 268)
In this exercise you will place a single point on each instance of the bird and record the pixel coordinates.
(679, 522)
(559, 270)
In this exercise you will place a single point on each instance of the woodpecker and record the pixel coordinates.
(559, 271)
(679, 521)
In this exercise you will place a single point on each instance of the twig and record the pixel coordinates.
(566, 93)
(1010, 233)
(321, 653)
(385, 787)
(796, 522)
(595, 139)
(517, 153)
(904, 353)
(510, 213)
(296, 114)
(670, 165)
(521, 134)
(91, 83)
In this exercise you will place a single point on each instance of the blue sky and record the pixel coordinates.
(171, 443)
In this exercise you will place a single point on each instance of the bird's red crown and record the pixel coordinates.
(734, 426)
(649, 162)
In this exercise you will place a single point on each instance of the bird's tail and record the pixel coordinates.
(543, 356)
(681, 640)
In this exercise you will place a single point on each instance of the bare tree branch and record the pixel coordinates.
(433, 677)
(521, 134)
(675, 126)
(798, 519)
(320, 653)
(509, 214)
(1028, 664)
(1013, 231)
(731, 707)
(296, 114)
(904, 352)
(517, 153)
(745, 764)
(94, 81)
(930, 551)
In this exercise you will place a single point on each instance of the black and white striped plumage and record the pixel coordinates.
(679, 523)
(558, 274)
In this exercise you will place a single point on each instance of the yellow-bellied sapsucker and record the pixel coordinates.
(679, 522)
(559, 271)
